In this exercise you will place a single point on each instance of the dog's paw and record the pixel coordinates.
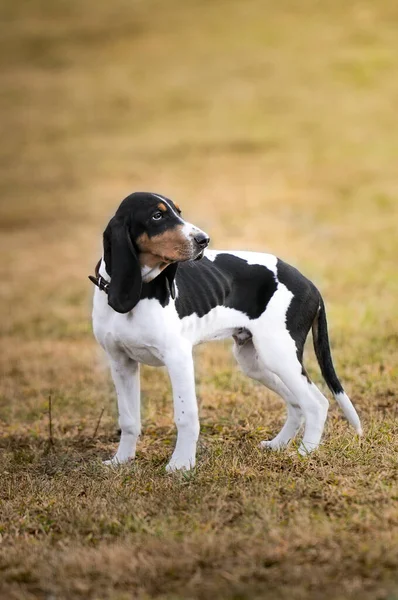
(274, 445)
(180, 464)
(306, 448)
(117, 461)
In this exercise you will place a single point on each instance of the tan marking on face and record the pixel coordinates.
(172, 245)
(177, 207)
(162, 207)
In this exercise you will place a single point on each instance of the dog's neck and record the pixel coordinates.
(151, 266)
(149, 274)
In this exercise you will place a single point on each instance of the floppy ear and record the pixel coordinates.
(123, 267)
(170, 273)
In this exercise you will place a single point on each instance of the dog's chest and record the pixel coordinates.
(139, 334)
(133, 341)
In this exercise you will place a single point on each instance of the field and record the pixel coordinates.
(274, 127)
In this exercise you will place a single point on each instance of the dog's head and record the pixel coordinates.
(146, 236)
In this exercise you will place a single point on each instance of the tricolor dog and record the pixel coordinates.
(160, 292)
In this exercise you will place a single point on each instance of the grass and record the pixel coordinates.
(274, 127)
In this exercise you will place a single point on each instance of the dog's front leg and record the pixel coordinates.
(179, 363)
(126, 377)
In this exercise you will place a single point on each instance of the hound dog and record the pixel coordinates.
(160, 292)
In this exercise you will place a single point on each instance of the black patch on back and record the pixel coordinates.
(201, 286)
(228, 281)
(303, 307)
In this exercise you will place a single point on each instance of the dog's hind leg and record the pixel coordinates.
(248, 359)
(292, 424)
(306, 445)
(279, 355)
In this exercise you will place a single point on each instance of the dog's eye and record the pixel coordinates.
(157, 216)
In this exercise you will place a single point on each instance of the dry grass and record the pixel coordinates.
(274, 126)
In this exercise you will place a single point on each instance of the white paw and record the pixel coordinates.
(274, 445)
(116, 461)
(306, 448)
(180, 464)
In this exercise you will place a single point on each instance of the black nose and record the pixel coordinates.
(202, 240)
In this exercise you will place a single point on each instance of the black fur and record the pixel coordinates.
(122, 265)
(228, 281)
(159, 288)
(322, 351)
(201, 286)
(140, 207)
(303, 307)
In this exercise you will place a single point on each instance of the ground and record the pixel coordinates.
(274, 127)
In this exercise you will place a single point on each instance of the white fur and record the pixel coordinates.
(252, 258)
(345, 404)
(149, 273)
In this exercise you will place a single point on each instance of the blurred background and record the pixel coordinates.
(274, 126)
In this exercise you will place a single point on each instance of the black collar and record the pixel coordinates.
(98, 280)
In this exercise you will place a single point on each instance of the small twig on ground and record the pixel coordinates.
(98, 423)
(50, 442)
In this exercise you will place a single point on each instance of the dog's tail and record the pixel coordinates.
(322, 350)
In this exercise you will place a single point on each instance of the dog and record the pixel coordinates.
(160, 291)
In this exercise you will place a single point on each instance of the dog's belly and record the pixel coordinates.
(220, 323)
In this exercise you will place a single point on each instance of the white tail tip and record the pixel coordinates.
(349, 411)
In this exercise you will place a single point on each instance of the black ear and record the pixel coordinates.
(122, 266)
(170, 273)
